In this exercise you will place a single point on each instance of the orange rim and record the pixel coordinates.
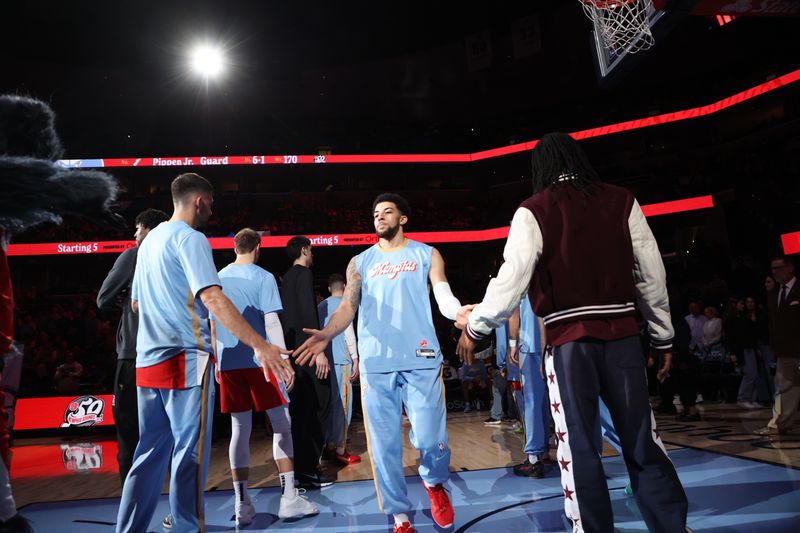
(607, 4)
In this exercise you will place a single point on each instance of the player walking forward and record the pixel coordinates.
(400, 357)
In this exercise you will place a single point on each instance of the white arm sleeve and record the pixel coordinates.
(650, 279)
(350, 341)
(448, 304)
(274, 331)
(521, 253)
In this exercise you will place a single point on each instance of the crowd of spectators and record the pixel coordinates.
(69, 349)
(722, 349)
(289, 215)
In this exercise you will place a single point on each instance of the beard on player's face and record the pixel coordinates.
(388, 232)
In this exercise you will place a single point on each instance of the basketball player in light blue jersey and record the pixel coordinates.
(242, 384)
(401, 362)
(175, 286)
(343, 355)
(526, 328)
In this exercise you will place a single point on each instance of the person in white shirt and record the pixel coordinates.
(712, 329)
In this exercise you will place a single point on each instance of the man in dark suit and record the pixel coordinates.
(783, 305)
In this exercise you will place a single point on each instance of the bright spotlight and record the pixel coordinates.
(207, 60)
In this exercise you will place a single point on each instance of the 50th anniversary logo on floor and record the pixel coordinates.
(82, 457)
(84, 411)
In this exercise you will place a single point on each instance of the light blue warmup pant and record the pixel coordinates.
(383, 396)
(536, 408)
(341, 406)
(519, 402)
(498, 393)
(176, 424)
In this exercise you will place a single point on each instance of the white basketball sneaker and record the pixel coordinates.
(295, 505)
(245, 512)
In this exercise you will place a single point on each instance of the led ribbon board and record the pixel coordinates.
(791, 243)
(204, 161)
(336, 239)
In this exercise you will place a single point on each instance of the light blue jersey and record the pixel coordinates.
(254, 292)
(395, 327)
(173, 265)
(536, 410)
(173, 377)
(338, 350)
(530, 338)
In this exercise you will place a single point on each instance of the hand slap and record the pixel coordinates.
(270, 360)
(462, 316)
(315, 344)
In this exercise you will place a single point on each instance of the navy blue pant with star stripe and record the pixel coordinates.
(577, 374)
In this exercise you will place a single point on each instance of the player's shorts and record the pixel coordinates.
(246, 388)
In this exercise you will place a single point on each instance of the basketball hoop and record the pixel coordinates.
(622, 25)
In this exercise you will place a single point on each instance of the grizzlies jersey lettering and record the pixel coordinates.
(395, 326)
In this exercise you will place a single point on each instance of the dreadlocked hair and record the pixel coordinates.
(558, 161)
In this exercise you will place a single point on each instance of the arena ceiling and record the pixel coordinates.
(358, 76)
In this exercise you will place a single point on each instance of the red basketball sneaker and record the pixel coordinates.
(347, 458)
(405, 527)
(441, 508)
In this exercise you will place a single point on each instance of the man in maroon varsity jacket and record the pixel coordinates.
(585, 254)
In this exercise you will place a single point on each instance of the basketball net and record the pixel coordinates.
(622, 25)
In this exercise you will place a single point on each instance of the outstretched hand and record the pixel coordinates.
(315, 344)
(270, 359)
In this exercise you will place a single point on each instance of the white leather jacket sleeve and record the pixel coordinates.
(521, 253)
(650, 279)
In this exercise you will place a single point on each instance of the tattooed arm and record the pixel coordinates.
(318, 340)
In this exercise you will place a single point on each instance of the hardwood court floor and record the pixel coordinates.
(49, 470)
